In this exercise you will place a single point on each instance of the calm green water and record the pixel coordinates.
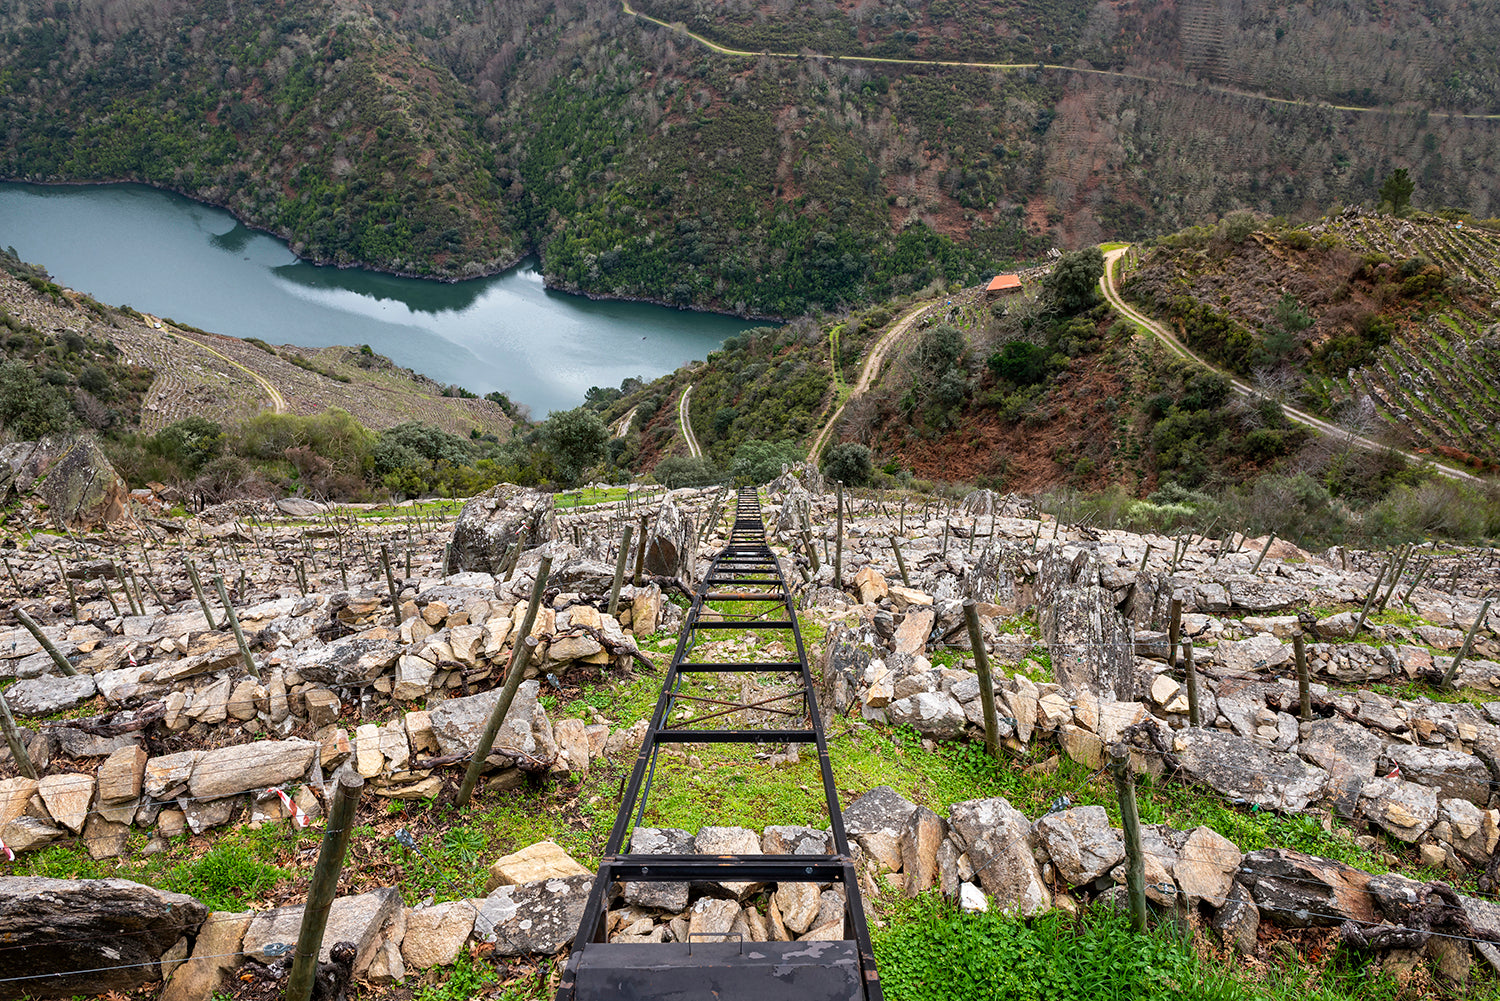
(164, 254)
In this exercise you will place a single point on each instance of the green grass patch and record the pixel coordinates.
(228, 878)
(930, 951)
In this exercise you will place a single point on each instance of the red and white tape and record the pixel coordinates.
(299, 818)
(10, 856)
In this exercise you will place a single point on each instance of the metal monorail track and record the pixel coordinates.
(746, 571)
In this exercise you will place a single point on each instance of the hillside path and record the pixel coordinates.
(278, 402)
(622, 426)
(867, 374)
(713, 46)
(687, 425)
(1181, 350)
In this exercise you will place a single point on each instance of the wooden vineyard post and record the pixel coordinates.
(1135, 872)
(325, 884)
(986, 684)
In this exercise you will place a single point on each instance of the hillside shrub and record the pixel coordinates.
(676, 471)
(759, 461)
(31, 407)
(189, 443)
(848, 462)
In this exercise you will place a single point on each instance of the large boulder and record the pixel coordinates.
(1246, 769)
(227, 771)
(72, 474)
(875, 822)
(934, 714)
(492, 521)
(1405, 809)
(997, 838)
(358, 919)
(525, 736)
(1091, 643)
(672, 543)
(112, 930)
(1454, 774)
(1348, 752)
(51, 693)
(671, 897)
(352, 660)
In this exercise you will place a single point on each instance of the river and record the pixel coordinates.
(168, 255)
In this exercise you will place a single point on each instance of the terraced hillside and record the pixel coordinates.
(1398, 312)
(1434, 383)
(201, 374)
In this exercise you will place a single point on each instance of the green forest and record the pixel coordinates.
(451, 139)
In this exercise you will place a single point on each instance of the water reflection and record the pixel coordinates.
(168, 255)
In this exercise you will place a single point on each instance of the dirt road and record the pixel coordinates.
(1322, 427)
(867, 373)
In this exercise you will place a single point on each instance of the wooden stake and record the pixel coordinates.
(1265, 549)
(1174, 631)
(1396, 577)
(1374, 589)
(525, 648)
(1304, 683)
(614, 591)
(1135, 873)
(986, 685)
(193, 579)
(17, 746)
(325, 884)
(1194, 717)
(234, 624)
(72, 594)
(900, 563)
(1449, 678)
(390, 580)
(47, 645)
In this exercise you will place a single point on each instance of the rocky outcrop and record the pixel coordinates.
(71, 474)
(113, 930)
(1090, 642)
(996, 838)
(1248, 771)
(672, 543)
(491, 522)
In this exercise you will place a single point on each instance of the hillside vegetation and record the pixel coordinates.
(447, 139)
(1387, 324)
(219, 417)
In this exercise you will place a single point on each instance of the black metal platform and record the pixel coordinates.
(840, 970)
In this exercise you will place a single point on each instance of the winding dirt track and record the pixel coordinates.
(687, 425)
(278, 402)
(1018, 67)
(867, 374)
(1322, 427)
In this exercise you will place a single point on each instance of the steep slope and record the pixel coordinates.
(1387, 324)
(305, 117)
(448, 138)
(123, 371)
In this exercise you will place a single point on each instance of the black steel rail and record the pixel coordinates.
(745, 570)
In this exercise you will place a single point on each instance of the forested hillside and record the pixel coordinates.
(450, 138)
